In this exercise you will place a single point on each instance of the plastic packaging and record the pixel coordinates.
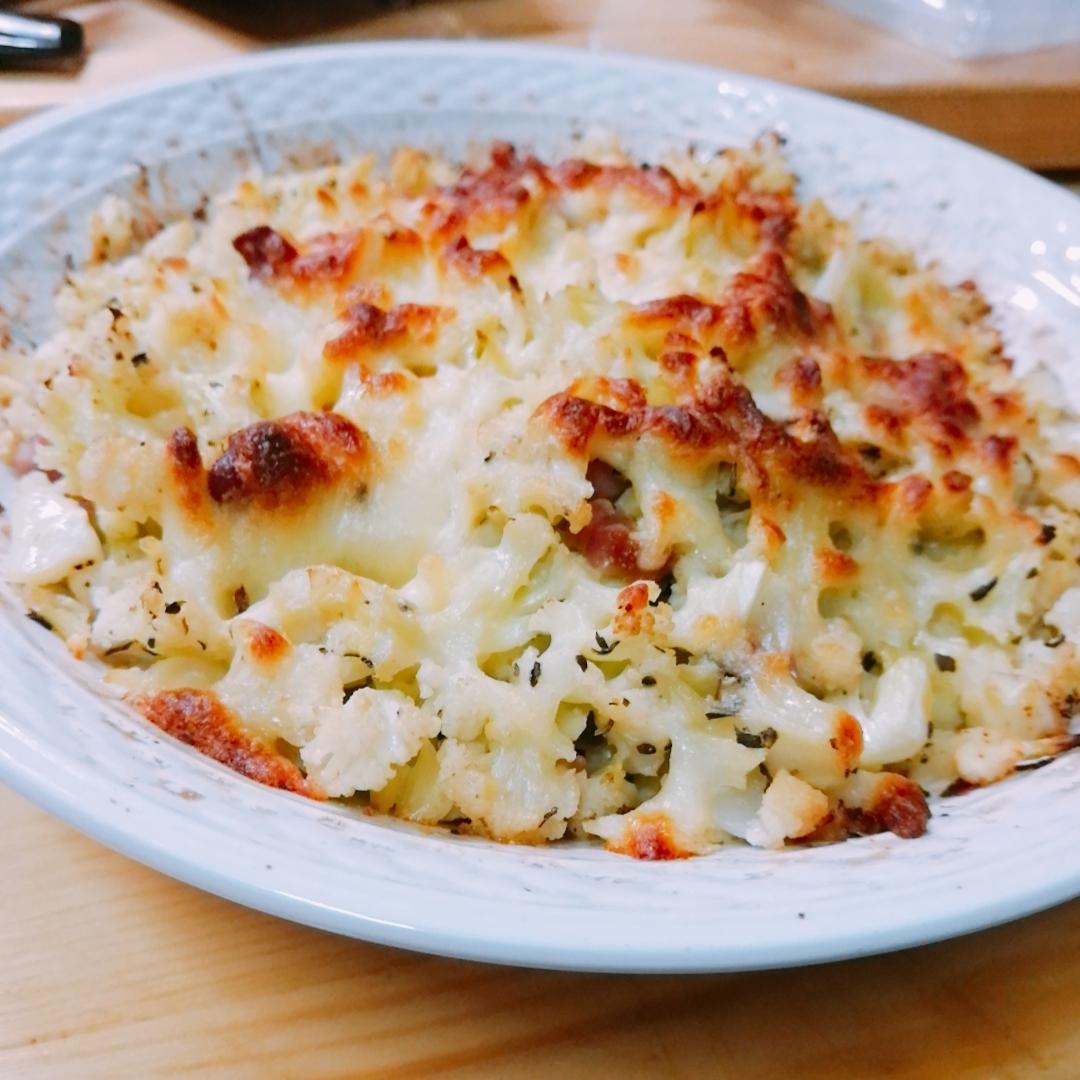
(972, 28)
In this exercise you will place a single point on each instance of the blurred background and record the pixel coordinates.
(1002, 73)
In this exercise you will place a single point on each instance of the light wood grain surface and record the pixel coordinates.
(111, 970)
(1025, 106)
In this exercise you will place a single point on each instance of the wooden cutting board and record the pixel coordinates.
(1026, 106)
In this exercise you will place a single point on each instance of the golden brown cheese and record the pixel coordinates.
(275, 464)
(198, 718)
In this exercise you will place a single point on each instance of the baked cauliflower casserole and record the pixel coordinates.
(543, 500)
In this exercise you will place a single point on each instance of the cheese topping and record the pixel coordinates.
(543, 500)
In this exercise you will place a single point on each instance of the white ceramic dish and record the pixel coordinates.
(988, 857)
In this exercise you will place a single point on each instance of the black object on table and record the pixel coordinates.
(39, 42)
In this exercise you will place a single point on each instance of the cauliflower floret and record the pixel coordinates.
(356, 746)
(790, 808)
(51, 534)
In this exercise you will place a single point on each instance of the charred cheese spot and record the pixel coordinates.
(723, 423)
(802, 377)
(656, 186)
(487, 198)
(632, 610)
(929, 390)
(649, 837)
(914, 494)
(847, 740)
(998, 451)
(474, 263)
(956, 482)
(277, 464)
(326, 258)
(185, 471)
(198, 718)
(370, 329)
(835, 567)
(265, 251)
(384, 384)
(264, 644)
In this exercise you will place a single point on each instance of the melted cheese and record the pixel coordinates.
(545, 500)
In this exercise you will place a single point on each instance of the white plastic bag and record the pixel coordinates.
(971, 28)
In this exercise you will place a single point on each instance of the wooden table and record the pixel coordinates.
(111, 970)
(1025, 106)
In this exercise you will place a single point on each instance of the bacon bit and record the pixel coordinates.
(633, 615)
(607, 482)
(264, 644)
(835, 566)
(802, 376)
(897, 805)
(185, 470)
(847, 740)
(369, 328)
(274, 463)
(608, 543)
(649, 837)
(833, 827)
(265, 251)
(956, 481)
(199, 719)
(929, 388)
(326, 200)
(473, 263)
(175, 262)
